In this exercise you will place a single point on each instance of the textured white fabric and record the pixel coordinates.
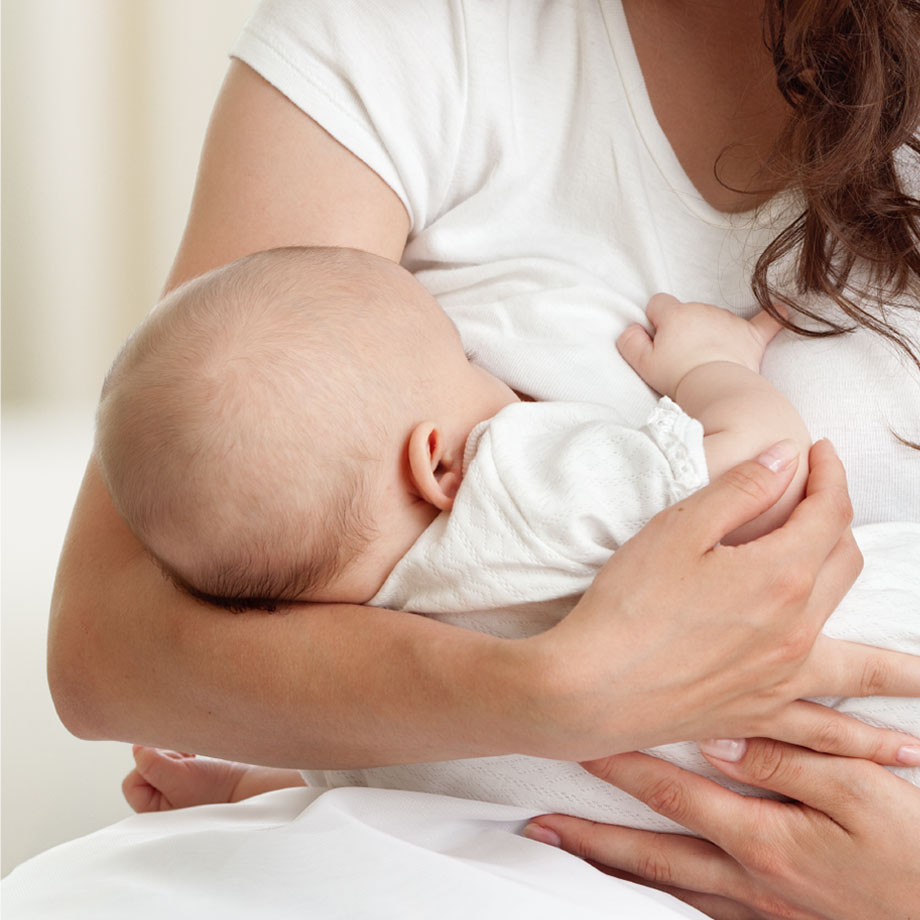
(547, 206)
(549, 491)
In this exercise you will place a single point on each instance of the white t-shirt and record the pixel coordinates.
(547, 205)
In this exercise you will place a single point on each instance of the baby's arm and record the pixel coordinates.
(708, 361)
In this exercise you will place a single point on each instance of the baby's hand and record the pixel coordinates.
(688, 335)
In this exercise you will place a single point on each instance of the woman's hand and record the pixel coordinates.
(846, 849)
(680, 638)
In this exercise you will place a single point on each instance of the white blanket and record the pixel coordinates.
(346, 854)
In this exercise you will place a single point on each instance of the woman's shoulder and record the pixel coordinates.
(385, 78)
(375, 22)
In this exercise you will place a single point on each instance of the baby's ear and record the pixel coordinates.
(435, 472)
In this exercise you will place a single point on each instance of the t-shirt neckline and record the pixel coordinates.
(653, 137)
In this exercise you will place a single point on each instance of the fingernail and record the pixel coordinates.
(542, 835)
(909, 755)
(730, 749)
(779, 456)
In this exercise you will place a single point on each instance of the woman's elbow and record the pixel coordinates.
(72, 675)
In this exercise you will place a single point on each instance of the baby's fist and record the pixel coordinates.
(688, 335)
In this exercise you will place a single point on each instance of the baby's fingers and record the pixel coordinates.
(658, 306)
(635, 345)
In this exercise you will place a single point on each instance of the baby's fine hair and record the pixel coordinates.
(234, 427)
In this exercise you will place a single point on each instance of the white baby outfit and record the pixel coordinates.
(546, 206)
(549, 491)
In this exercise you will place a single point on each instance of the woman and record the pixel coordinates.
(130, 658)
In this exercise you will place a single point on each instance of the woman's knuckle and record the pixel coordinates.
(852, 554)
(748, 482)
(840, 506)
(777, 907)
(794, 583)
(768, 855)
(654, 866)
(769, 763)
(668, 798)
(762, 858)
(580, 841)
(798, 642)
(833, 735)
(861, 784)
(875, 677)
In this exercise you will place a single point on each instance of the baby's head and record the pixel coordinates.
(255, 430)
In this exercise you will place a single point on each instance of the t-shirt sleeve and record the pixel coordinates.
(386, 78)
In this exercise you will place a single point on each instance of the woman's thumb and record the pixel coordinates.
(744, 492)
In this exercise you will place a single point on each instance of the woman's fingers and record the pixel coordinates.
(840, 668)
(697, 803)
(836, 786)
(818, 524)
(663, 860)
(736, 497)
(840, 849)
(822, 519)
(810, 725)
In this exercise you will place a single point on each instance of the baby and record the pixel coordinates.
(297, 425)
(287, 427)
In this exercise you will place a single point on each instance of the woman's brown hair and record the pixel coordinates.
(850, 71)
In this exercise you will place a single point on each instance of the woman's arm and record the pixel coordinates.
(130, 658)
(270, 176)
(845, 849)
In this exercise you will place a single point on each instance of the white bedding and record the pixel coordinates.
(345, 853)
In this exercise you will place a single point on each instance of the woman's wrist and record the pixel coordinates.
(570, 707)
(494, 696)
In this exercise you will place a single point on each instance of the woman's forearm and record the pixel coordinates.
(131, 658)
(675, 640)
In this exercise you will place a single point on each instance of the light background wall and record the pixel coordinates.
(104, 107)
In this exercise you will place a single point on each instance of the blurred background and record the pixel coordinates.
(104, 108)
